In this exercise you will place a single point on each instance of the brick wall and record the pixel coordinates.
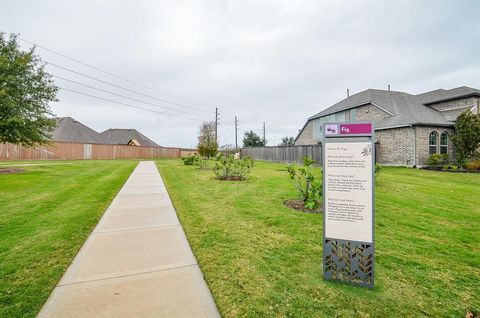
(370, 113)
(306, 136)
(455, 104)
(395, 146)
(422, 138)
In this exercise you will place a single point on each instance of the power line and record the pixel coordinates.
(120, 87)
(123, 96)
(124, 104)
(110, 73)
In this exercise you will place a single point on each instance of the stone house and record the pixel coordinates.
(408, 128)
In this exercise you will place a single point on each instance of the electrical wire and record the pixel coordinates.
(111, 74)
(115, 85)
(123, 96)
(127, 105)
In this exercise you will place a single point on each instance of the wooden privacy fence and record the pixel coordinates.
(287, 154)
(73, 150)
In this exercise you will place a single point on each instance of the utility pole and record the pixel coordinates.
(216, 125)
(236, 131)
(264, 140)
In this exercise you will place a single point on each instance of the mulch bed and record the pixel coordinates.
(450, 170)
(299, 206)
(10, 170)
(232, 179)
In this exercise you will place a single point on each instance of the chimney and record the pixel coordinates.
(389, 87)
(348, 93)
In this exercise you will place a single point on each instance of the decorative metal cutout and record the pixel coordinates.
(348, 261)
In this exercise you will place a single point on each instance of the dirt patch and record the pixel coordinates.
(232, 179)
(299, 206)
(460, 170)
(10, 170)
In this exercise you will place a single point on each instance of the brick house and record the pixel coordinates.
(408, 128)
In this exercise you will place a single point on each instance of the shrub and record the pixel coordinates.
(473, 165)
(190, 160)
(378, 168)
(209, 150)
(309, 188)
(466, 137)
(203, 163)
(449, 167)
(229, 168)
(437, 160)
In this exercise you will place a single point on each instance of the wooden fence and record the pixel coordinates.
(73, 150)
(287, 154)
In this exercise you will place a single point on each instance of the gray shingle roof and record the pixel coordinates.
(440, 95)
(123, 136)
(404, 108)
(70, 130)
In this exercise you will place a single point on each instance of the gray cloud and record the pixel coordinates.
(272, 61)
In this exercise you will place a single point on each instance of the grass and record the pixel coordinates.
(262, 259)
(46, 213)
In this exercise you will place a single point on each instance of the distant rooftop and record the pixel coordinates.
(124, 136)
(71, 130)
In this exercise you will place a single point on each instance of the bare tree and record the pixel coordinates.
(207, 145)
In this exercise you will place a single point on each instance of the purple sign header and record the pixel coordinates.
(355, 129)
(348, 129)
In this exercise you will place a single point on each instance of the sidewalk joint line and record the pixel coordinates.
(137, 229)
(128, 275)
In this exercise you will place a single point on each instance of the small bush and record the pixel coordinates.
(203, 163)
(229, 168)
(378, 168)
(473, 165)
(309, 188)
(190, 160)
(450, 167)
(438, 160)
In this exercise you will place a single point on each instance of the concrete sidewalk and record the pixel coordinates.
(136, 263)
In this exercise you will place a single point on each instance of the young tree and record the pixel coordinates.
(287, 141)
(25, 93)
(466, 137)
(251, 139)
(207, 145)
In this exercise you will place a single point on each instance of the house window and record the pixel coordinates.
(347, 116)
(340, 117)
(433, 142)
(353, 115)
(444, 143)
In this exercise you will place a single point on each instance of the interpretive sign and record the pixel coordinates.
(348, 203)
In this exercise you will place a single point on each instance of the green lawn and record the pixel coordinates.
(261, 259)
(46, 213)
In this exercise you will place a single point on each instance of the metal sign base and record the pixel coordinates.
(348, 261)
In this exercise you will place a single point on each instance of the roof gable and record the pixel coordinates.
(124, 136)
(71, 130)
(441, 95)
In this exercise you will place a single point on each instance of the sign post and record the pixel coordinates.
(348, 203)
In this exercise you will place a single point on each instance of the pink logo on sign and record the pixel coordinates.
(355, 129)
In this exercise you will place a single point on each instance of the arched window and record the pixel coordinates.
(444, 143)
(433, 143)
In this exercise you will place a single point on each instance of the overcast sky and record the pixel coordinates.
(273, 61)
